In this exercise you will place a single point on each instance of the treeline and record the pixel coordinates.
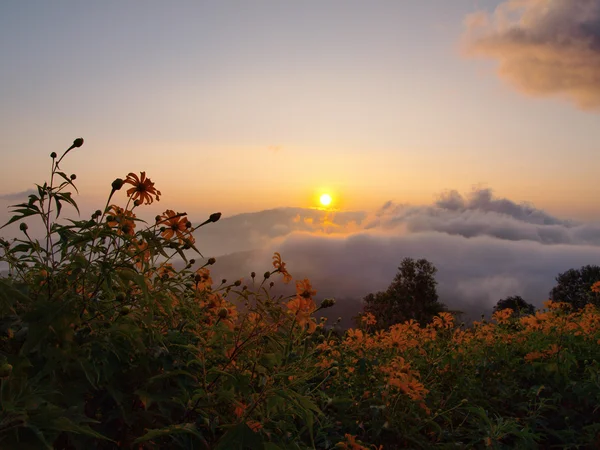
(412, 295)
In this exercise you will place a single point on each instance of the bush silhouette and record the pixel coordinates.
(412, 295)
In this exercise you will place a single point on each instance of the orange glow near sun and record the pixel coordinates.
(325, 199)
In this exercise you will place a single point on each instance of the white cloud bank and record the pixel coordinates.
(485, 248)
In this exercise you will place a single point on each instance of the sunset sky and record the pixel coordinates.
(239, 106)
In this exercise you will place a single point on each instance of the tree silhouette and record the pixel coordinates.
(517, 304)
(575, 286)
(411, 295)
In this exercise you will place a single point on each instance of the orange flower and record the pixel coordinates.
(166, 271)
(304, 289)
(368, 319)
(254, 425)
(324, 363)
(140, 252)
(176, 225)
(443, 320)
(303, 308)
(143, 188)
(503, 316)
(203, 279)
(351, 443)
(550, 351)
(532, 356)
(239, 409)
(121, 219)
(280, 267)
(596, 287)
(557, 306)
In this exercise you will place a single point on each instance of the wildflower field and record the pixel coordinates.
(104, 344)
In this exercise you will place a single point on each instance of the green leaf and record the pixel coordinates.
(271, 446)
(170, 374)
(68, 180)
(66, 196)
(188, 428)
(41, 190)
(240, 437)
(22, 214)
(58, 206)
(66, 424)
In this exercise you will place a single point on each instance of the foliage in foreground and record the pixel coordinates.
(105, 345)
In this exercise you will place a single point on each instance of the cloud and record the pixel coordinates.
(17, 196)
(485, 248)
(543, 47)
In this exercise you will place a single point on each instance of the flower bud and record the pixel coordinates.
(192, 261)
(78, 142)
(137, 202)
(253, 274)
(5, 370)
(117, 184)
(23, 227)
(237, 283)
(267, 275)
(53, 155)
(214, 217)
(73, 177)
(211, 261)
(188, 224)
(157, 219)
(223, 313)
(223, 281)
(271, 284)
(327, 303)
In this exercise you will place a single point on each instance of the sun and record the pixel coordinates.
(325, 199)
